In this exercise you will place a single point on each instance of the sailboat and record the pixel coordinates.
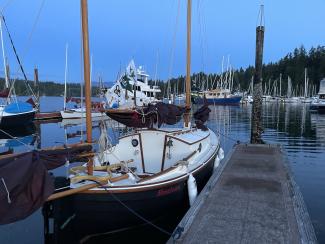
(79, 111)
(306, 98)
(13, 113)
(290, 98)
(318, 104)
(149, 173)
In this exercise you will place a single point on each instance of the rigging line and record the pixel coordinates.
(131, 210)
(17, 57)
(27, 45)
(15, 138)
(173, 43)
(33, 28)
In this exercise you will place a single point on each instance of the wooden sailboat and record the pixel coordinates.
(146, 175)
(74, 113)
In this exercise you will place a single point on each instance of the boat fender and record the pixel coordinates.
(216, 162)
(221, 154)
(192, 189)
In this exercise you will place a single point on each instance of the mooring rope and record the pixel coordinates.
(15, 138)
(133, 211)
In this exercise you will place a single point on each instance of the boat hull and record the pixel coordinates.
(235, 100)
(320, 108)
(94, 207)
(71, 114)
(15, 120)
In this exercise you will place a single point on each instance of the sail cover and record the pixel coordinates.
(201, 116)
(148, 116)
(25, 183)
(18, 107)
(24, 186)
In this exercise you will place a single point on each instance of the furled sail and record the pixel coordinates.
(148, 116)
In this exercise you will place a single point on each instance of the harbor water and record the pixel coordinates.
(300, 132)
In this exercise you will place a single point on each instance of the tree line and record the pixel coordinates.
(293, 65)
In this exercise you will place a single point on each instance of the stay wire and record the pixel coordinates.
(17, 57)
(27, 45)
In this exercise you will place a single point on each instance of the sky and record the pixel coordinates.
(153, 33)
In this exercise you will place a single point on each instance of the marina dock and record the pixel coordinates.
(251, 198)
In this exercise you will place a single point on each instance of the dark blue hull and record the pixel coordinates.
(317, 108)
(16, 120)
(89, 213)
(235, 100)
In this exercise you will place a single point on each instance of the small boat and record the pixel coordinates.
(318, 104)
(13, 113)
(131, 89)
(77, 113)
(218, 97)
(16, 114)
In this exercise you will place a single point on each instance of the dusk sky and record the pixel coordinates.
(125, 29)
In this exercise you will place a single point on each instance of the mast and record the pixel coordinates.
(65, 77)
(280, 84)
(3, 55)
(305, 92)
(188, 66)
(85, 45)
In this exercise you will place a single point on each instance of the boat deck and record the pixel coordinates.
(251, 198)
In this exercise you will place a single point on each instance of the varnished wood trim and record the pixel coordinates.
(178, 139)
(163, 156)
(163, 184)
(155, 185)
(156, 175)
(142, 157)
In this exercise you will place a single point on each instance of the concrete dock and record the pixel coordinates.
(250, 198)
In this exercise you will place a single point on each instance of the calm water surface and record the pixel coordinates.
(300, 132)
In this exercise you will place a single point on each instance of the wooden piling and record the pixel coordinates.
(256, 126)
(36, 85)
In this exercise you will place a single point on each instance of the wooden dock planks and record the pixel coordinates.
(251, 198)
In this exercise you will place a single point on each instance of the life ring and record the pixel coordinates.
(117, 90)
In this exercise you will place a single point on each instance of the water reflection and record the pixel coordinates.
(15, 139)
(300, 132)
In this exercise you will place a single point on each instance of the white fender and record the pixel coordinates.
(221, 154)
(216, 162)
(192, 189)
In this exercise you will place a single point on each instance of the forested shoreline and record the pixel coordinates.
(293, 65)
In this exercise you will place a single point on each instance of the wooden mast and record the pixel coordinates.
(188, 66)
(85, 45)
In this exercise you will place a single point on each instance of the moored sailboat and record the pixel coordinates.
(318, 104)
(144, 176)
(13, 113)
